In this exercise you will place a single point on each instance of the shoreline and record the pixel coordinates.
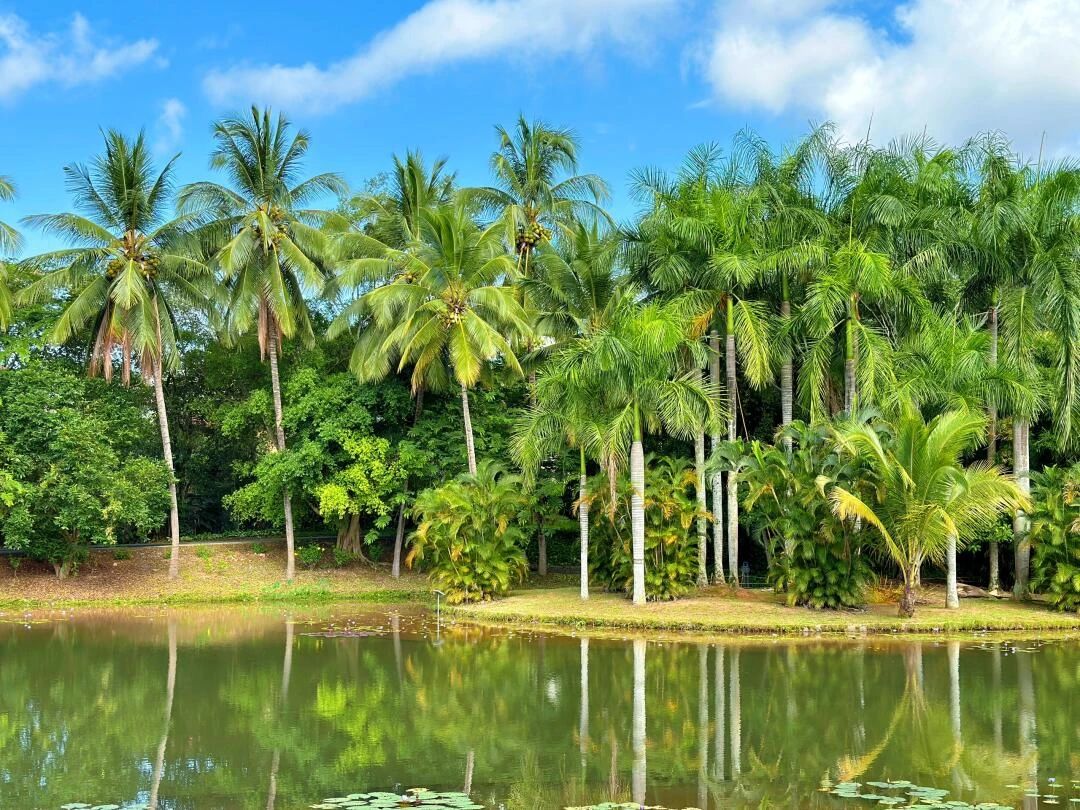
(752, 614)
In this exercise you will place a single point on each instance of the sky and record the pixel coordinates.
(639, 81)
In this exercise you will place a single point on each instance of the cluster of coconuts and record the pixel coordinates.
(531, 236)
(455, 310)
(147, 262)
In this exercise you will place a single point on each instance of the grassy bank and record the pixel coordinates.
(208, 575)
(758, 612)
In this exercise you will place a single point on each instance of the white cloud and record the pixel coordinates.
(170, 125)
(72, 57)
(954, 66)
(441, 33)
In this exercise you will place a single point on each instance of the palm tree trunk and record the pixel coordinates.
(470, 768)
(279, 432)
(952, 597)
(170, 691)
(849, 366)
(541, 553)
(702, 523)
(991, 445)
(583, 527)
(1022, 472)
(732, 481)
(166, 450)
(639, 736)
(717, 479)
(637, 515)
(470, 445)
(1028, 726)
(907, 598)
(787, 375)
(166, 446)
(954, 692)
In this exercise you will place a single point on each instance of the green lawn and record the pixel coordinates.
(759, 612)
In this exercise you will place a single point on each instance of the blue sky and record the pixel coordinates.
(641, 81)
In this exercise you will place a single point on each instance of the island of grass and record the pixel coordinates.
(722, 610)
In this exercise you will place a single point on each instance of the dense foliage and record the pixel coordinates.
(788, 359)
(1055, 535)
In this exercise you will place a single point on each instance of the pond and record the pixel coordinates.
(249, 708)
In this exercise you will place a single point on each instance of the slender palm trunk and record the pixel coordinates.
(279, 433)
(717, 479)
(470, 768)
(166, 445)
(732, 476)
(470, 445)
(787, 374)
(954, 691)
(702, 523)
(849, 363)
(166, 449)
(1028, 727)
(637, 514)
(170, 691)
(583, 527)
(639, 736)
(952, 597)
(991, 444)
(1022, 471)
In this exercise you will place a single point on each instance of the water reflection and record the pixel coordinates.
(278, 712)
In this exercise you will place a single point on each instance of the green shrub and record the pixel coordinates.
(815, 559)
(121, 554)
(309, 556)
(342, 557)
(1055, 519)
(204, 553)
(670, 537)
(258, 548)
(469, 534)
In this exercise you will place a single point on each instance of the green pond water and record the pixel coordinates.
(243, 708)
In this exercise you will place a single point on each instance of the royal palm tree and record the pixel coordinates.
(638, 362)
(700, 242)
(270, 251)
(443, 307)
(128, 270)
(537, 190)
(921, 500)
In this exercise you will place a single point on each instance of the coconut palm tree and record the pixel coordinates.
(10, 242)
(270, 251)
(537, 190)
(921, 500)
(638, 362)
(129, 268)
(443, 308)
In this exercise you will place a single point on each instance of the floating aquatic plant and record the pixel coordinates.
(85, 806)
(902, 792)
(414, 797)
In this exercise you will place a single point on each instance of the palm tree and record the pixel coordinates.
(575, 292)
(9, 243)
(128, 269)
(443, 307)
(269, 251)
(700, 241)
(638, 363)
(537, 191)
(392, 216)
(922, 501)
